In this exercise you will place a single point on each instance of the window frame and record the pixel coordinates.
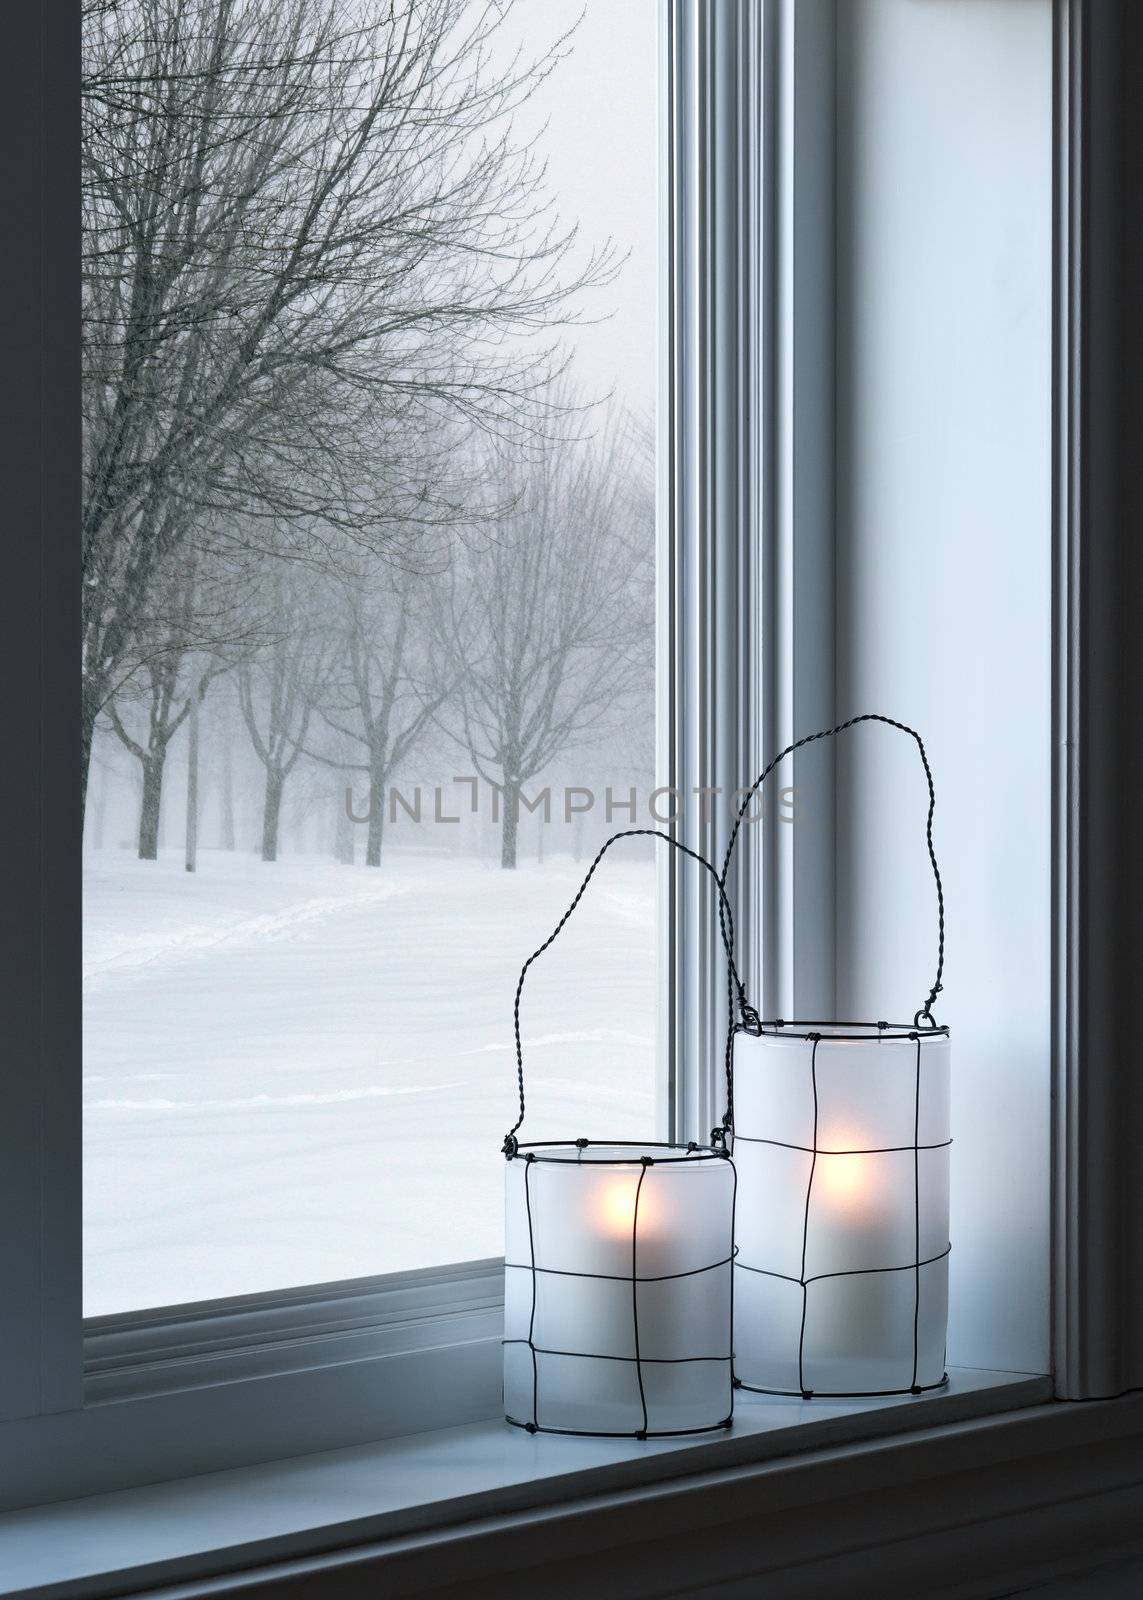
(104, 1405)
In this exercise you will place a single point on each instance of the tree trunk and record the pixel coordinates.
(192, 782)
(151, 807)
(343, 830)
(510, 825)
(376, 819)
(271, 813)
(228, 836)
(100, 814)
(88, 714)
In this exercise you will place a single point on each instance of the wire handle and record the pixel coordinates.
(726, 923)
(925, 1012)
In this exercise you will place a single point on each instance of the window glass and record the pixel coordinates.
(369, 585)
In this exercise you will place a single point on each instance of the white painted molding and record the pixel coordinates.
(709, 498)
(979, 1506)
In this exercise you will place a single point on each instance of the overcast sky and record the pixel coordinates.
(601, 152)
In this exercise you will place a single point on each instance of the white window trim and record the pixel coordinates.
(463, 1500)
(262, 1335)
(343, 1363)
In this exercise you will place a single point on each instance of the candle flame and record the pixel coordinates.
(848, 1181)
(615, 1208)
(844, 1180)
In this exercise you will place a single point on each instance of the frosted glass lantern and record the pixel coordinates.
(618, 1265)
(617, 1291)
(841, 1142)
(840, 1135)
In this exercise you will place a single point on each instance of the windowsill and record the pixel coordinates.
(224, 1521)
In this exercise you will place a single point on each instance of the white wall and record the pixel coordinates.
(943, 495)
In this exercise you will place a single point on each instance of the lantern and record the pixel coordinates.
(841, 1143)
(618, 1273)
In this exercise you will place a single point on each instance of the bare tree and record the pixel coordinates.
(222, 751)
(279, 686)
(310, 229)
(387, 688)
(546, 623)
(194, 788)
(200, 626)
(178, 666)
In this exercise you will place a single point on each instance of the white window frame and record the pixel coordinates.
(747, 88)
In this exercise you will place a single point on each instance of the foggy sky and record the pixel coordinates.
(601, 151)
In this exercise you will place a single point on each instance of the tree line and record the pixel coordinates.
(335, 467)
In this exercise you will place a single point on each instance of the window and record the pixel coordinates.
(369, 624)
(791, 414)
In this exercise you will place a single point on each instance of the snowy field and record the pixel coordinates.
(301, 1072)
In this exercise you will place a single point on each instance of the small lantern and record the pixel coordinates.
(841, 1142)
(618, 1273)
(617, 1289)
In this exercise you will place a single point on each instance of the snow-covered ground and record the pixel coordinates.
(303, 1071)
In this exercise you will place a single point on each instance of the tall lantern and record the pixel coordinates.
(841, 1143)
(618, 1271)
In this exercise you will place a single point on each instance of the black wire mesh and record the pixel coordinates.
(571, 1156)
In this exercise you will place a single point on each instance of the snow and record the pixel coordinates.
(300, 1072)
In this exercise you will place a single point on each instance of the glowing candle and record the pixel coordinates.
(851, 1199)
(615, 1201)
(851, 1221)
(847, 1178)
